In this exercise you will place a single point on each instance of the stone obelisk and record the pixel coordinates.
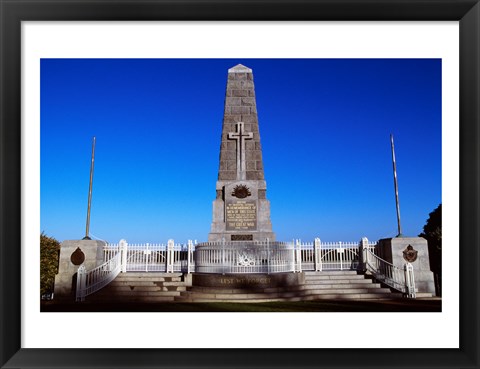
(241, 211)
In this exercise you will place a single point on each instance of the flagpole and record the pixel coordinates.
(87, 230)
(395, 182)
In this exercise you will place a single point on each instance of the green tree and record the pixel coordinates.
(49, 252)
(432, 232)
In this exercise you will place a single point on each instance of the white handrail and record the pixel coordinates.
(399, 279)
(95, 279)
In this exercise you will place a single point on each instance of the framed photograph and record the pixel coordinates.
(39, 38)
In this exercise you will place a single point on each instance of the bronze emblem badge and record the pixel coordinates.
(241, 191)
(77, 257)
(409, 254)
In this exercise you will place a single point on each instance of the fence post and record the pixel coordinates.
(80, 290)
(291, 250)
(298, 256)
(409, 281)
(340, 254)
(363, 254)
(170, 259)
(189, 256)
(123, 255)
(223, 256)
(318, 255)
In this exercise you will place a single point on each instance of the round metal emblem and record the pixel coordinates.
(409, 254)
(77, 257)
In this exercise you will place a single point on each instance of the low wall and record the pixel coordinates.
(248, 280)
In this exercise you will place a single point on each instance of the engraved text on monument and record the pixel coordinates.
(241, 215)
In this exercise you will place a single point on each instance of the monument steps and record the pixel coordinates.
(142, 287)
(120, 299)
(359, 280)
(342, 289)
(424, 295)
(347, 284)
(141, 283)
(294, 289)
(147, 293)
(331, 272)
(288, 294)
(162, 287)
(295, 299)
(152, 278)
(418, 295)
(328, 285)
(327, 278)
(136, 289)
(342, 284)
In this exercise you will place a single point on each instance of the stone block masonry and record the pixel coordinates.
(241, 210)
(414, 250)
(240, 106)
(73, 254)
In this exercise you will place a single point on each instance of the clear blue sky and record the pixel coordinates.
(324, 125)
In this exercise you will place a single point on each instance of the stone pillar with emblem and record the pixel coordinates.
(414, 250)
(73, 254)
(241, 211)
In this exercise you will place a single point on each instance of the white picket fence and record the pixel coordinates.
(166, 258)
(123, 257)
(240, 257)
(243, 257)
(276, 257)
(320, 256)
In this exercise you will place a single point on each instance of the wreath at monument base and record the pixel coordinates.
(244, 259)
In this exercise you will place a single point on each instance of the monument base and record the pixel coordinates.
(241, 219)
(414, 250)
(248, 281)
(74, 253)
(241, 236)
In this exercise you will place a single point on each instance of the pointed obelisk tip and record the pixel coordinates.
(239, 68)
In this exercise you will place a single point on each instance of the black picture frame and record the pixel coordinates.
(12, 13)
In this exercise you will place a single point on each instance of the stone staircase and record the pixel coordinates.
(333, 285)
(141, 287)
(172, 287)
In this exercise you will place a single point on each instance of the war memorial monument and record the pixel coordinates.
(242, 260)
(241, 211)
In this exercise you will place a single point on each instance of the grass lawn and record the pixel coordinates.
(400, 305)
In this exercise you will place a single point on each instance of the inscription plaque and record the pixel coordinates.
(241, 237)
(248, 280)
(241, 215)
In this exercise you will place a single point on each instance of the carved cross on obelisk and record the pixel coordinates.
(240, 136)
